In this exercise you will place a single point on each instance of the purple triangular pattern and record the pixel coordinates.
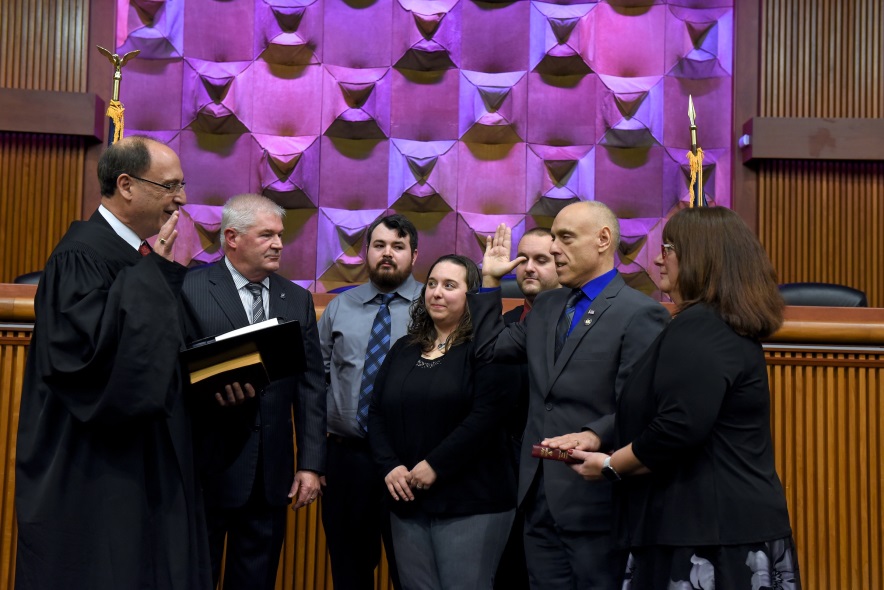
(428, 24)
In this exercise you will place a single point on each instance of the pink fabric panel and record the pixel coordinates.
(494, 36)
(219, 31)
(284, 99)
(426, 35)
(288, 32)
(425, 104)
(353, 173)
(358, 34)
(491, 178)
(423, 176)
(562, 109)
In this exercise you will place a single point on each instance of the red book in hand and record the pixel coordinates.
(544, 452)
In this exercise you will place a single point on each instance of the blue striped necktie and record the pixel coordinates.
(257, 302)
(375, 353)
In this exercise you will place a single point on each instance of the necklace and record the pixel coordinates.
(441, 347)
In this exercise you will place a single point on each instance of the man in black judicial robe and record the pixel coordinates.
(106, 494)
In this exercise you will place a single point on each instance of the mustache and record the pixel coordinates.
(386, 261)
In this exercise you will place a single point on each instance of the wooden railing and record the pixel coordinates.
(826, 368)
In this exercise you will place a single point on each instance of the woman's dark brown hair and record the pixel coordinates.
(421, 329)
(722, 264)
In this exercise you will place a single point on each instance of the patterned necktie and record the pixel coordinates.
(565, 319)
(144, 249)
(257, 302)
(375, 353)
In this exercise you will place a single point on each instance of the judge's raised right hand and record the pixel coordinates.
(496, 263)
(397, 483)
(234, 394)
(166, 238)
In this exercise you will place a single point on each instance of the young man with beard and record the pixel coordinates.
(356, 331)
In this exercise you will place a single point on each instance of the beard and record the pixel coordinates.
(388, 278)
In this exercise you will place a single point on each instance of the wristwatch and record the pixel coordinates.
(608, 471)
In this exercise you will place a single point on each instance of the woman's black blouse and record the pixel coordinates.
(451, 414)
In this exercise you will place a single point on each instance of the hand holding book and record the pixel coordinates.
(545, 452)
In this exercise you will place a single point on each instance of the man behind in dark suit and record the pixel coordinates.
(537, 273)
(246, 498)
(572, 389)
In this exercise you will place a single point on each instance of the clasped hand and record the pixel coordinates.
(400, 481)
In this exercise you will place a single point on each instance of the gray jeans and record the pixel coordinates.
(456, 553)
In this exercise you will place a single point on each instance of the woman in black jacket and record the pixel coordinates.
(437, 434)
(699, 503)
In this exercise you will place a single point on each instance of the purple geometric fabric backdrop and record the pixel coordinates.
(456, 113)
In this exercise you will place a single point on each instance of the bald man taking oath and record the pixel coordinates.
(580, 344)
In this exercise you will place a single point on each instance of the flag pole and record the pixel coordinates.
(695, 157)
(115, 108)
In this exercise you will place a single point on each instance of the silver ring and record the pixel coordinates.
(163, 241)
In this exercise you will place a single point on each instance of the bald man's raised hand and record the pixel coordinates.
(496, 263)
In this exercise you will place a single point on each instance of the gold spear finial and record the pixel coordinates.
(692, 114)
(115, 108)
(695, 157)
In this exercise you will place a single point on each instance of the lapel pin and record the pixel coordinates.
(587, 322)
(282, 295)
(591, 311)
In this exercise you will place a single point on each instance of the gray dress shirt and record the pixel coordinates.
(343, 334)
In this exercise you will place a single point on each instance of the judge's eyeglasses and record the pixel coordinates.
(171, 188)
(665, 248)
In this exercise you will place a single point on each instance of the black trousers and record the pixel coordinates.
(561, 559)
(355, 516)
(255, 532)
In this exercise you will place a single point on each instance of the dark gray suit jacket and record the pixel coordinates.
(575, 392)
(213, 306)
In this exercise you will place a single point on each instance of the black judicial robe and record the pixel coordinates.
(106, 495)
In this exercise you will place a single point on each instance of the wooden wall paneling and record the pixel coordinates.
(747, 27)
(13, 352)
(42, 48)
(43, 45)
(827, 411)
(821, 221)
(41, 186)
(825, 222)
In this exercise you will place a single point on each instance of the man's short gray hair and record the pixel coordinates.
(240, 211)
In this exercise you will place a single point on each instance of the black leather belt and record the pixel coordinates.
(346, 441)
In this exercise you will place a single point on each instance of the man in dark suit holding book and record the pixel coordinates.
(580, 344)
(246, 496)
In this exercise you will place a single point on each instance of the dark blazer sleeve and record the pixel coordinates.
(310, 415)
(494, 340)
(689, 388)
(382, 451)
(640, 331)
